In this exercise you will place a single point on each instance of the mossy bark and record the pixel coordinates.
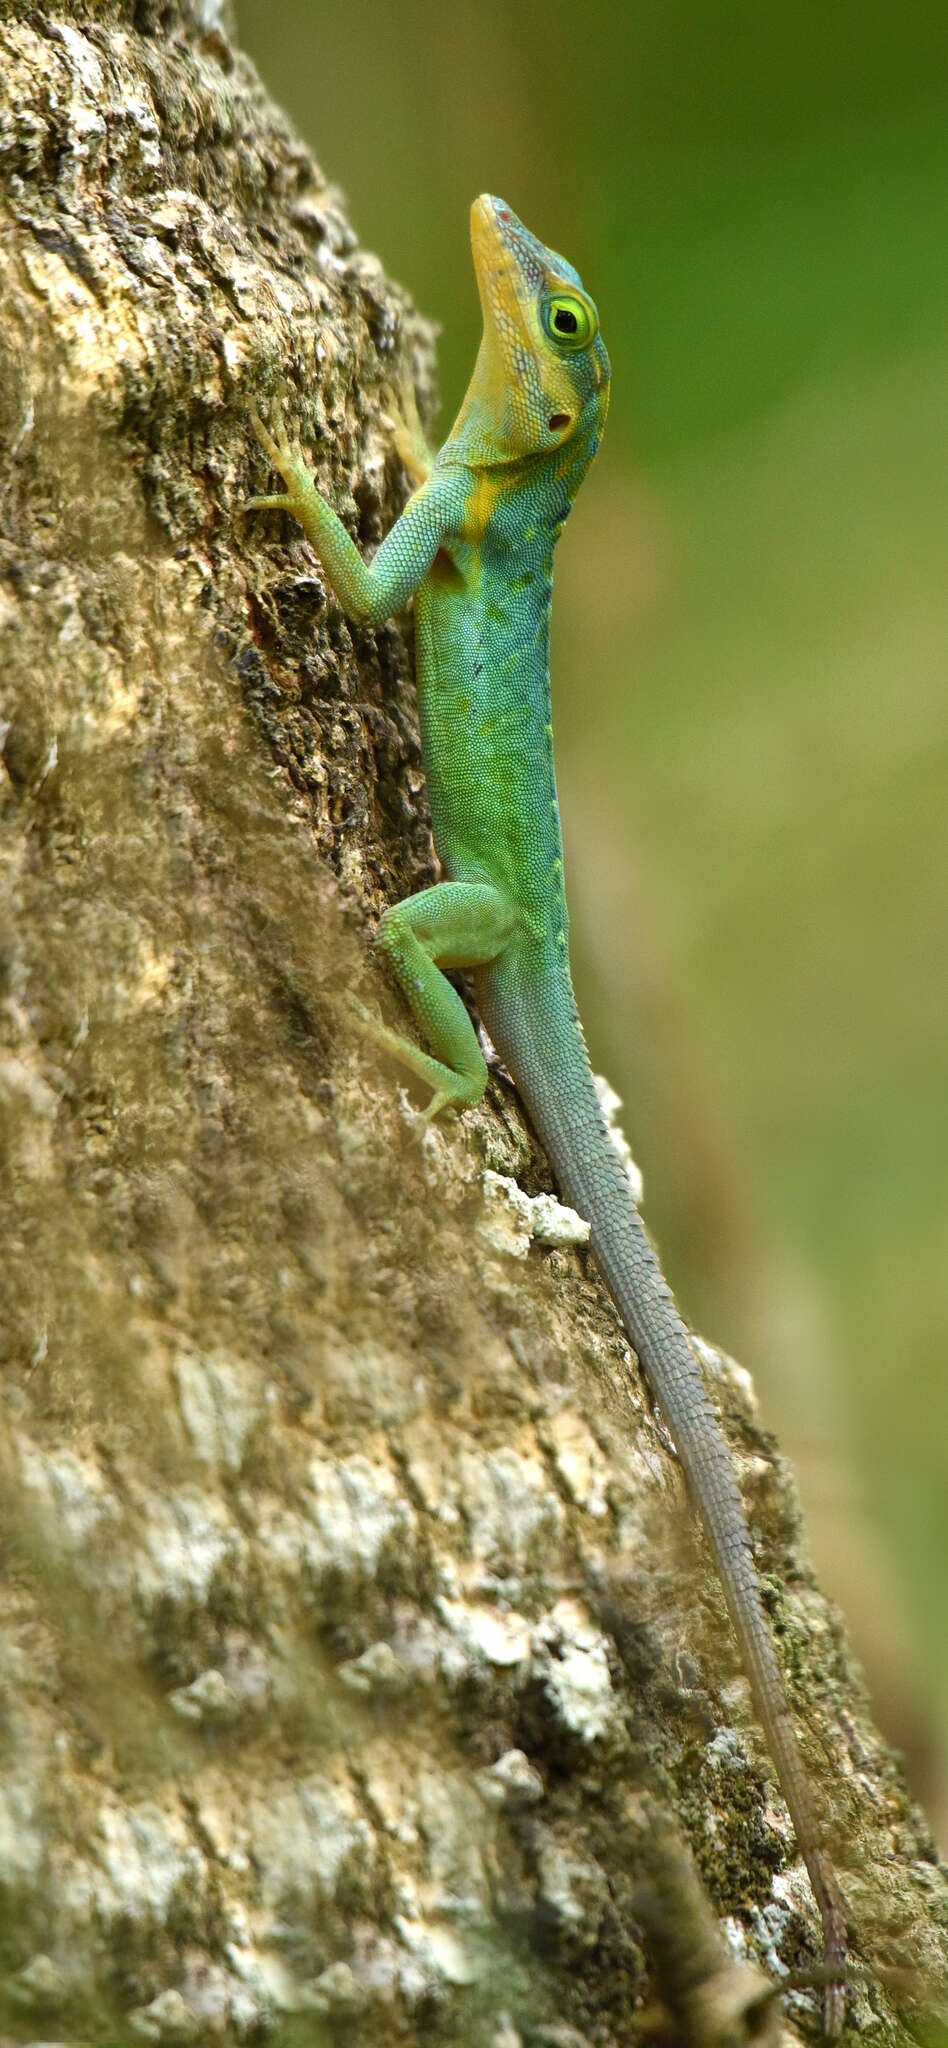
(357, 1649)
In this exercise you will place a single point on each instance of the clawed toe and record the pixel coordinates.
(263, 435)
(268, 504)
(282, 451)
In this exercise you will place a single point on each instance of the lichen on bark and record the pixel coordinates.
(356, 1647)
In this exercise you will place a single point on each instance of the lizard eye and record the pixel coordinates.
(568, 321)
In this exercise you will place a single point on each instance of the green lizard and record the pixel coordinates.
(474, 547)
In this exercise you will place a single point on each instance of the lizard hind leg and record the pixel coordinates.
(454, 924)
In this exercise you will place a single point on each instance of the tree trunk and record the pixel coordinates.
(362, 1674)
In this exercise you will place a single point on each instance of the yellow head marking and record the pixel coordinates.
(542, 371)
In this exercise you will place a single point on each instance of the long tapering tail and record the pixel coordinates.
(542, 1044)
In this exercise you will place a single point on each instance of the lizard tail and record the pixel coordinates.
(542, 1044)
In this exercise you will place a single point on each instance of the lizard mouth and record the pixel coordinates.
(504, 263)
(487, 213)
(491, 222)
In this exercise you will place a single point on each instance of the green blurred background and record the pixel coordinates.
(749, 666)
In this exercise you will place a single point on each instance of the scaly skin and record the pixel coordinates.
(474, 546)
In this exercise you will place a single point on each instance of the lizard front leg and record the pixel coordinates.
(368, 592)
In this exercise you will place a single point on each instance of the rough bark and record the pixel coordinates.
(357, 1649)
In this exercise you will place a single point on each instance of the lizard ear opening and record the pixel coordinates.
(557, 420)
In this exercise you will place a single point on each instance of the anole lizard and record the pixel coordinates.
(474, 547)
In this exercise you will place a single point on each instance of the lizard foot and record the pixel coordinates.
(449, 1091)
(288, 459)
(402, 416)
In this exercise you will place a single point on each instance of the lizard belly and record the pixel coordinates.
(484, 706)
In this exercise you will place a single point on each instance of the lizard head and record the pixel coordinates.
(542, 373)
